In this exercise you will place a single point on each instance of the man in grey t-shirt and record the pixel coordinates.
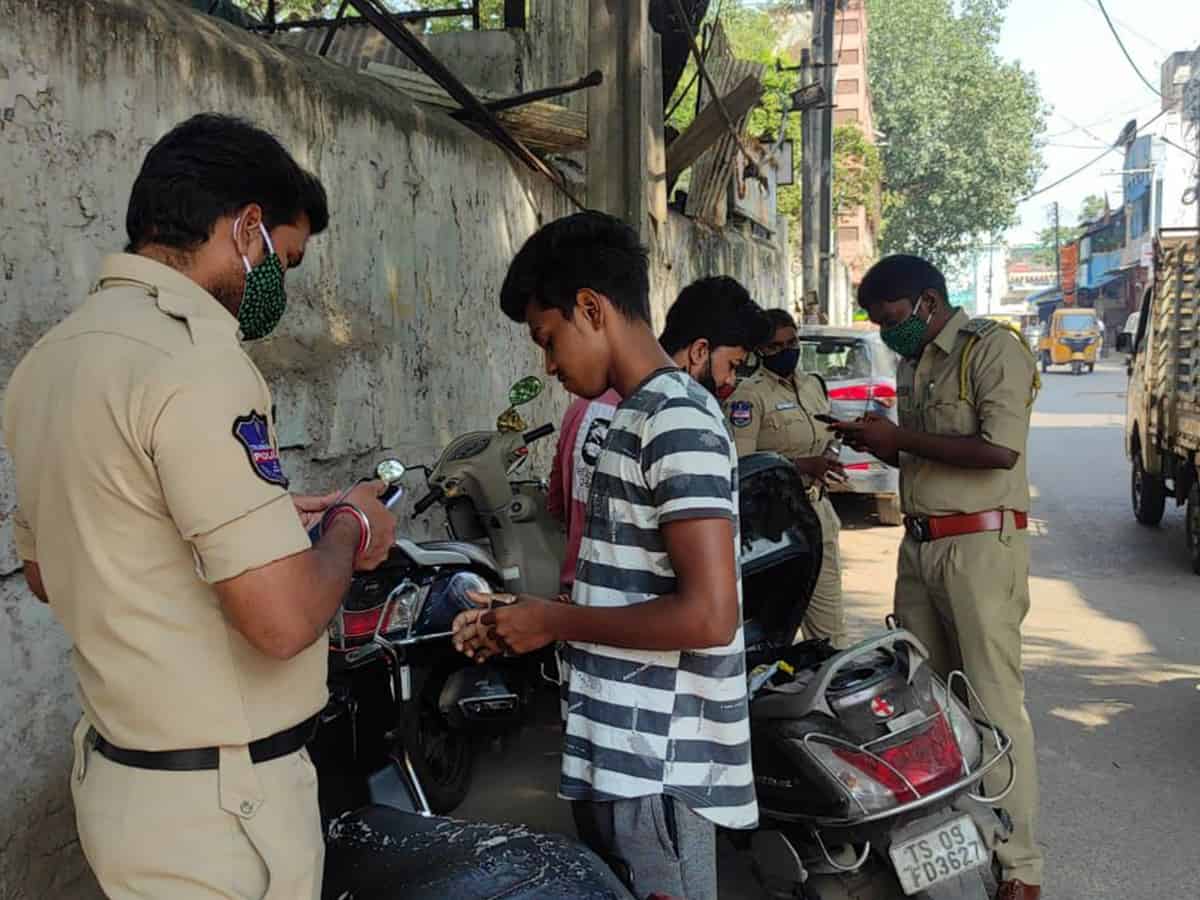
(657, 745)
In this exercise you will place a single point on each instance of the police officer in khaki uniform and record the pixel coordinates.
(773, 410)
(154, 517)
(965, 390)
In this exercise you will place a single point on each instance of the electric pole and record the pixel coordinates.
(810, 221)
(1057, 259)
(828, 69)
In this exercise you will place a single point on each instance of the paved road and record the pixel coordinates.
(1112, 666)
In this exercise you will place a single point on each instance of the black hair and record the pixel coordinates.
(900, 277)
(211, 166)
(589, 249)
(779, 318)
(718, 309)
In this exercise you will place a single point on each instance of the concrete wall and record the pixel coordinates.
(392, 342)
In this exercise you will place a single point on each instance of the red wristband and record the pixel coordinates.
(364, 524)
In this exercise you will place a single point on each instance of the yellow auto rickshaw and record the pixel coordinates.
(1071, 338)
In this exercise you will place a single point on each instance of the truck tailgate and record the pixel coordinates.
(1174, 376)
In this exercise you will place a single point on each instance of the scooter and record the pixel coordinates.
(486, 505)
(383, 839)
(867, 765)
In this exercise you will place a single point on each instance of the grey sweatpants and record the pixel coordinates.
(654, 844)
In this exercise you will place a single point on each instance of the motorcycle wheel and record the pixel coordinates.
(442, 757)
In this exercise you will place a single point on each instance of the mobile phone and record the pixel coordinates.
(828, 420)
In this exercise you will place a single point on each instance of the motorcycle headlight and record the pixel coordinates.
(460, 583)
(402, 606)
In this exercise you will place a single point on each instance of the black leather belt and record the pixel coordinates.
(200, 758)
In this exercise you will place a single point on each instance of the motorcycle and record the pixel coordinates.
(383, 839)
(867, 765)
(501, 539)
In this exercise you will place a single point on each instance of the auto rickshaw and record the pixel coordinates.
(1071, 338)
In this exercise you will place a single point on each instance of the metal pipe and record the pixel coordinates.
(592, 79)
(327, 41)
(414, 16)
(483, 118)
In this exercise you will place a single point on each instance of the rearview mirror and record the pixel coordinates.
(524, 390)
(1124, 342)
(390, 471)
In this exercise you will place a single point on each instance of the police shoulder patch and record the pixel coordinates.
(252, 433)
(741, 413)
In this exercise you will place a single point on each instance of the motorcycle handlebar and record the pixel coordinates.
(538, 433)
(427, 501)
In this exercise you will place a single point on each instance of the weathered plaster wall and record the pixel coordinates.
(392, 341)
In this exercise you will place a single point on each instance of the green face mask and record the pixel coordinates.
(908, 337)
(263, 298)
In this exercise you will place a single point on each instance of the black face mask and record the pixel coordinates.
(783, 363)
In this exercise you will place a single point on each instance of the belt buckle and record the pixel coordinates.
(918, 529)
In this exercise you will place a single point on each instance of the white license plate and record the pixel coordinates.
(938, 855)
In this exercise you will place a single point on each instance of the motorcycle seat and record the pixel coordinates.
(381, 853)
(476, 554)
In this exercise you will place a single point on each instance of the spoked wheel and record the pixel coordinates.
(442, 757)
(1193, 526)
(1148, 493)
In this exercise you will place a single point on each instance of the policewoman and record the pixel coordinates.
(773, 410)
(154, 517)
(965, 390)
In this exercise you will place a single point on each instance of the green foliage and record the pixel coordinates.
(491, 12)
(858, 171)
(961, 123)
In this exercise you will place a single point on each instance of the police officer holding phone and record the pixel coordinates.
(780, 410)
(965, 391)
(154, 517)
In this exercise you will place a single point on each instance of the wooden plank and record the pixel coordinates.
(541, 125)
(709, 126)
(709, 192)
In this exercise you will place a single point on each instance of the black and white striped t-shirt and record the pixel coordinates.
(644, 722)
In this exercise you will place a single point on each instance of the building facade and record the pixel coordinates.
(857, 229)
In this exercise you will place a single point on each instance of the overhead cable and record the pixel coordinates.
(1121, 44)
(1084, 167)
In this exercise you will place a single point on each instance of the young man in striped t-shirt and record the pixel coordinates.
(657, 745)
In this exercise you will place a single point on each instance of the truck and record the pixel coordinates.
(1162, 417)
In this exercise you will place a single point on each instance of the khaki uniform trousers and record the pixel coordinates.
(965, 598)
(149, 834)
(826, 614)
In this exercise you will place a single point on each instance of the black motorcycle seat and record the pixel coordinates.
(380, 853)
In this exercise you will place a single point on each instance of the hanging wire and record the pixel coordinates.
(1121, 44)
(1084, 167)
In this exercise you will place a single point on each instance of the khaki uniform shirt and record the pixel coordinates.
(999, 400)
(770, 413)
(147, 469)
